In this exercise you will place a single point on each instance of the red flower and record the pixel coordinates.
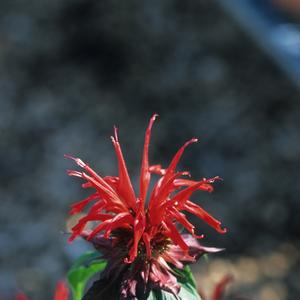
(21, 296)
(147, 230)
(220, 287)
(61, 292)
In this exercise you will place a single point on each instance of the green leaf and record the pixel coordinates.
(85, 259)
(83, 269)
(186, 275)
(188, 289)
(187, 292)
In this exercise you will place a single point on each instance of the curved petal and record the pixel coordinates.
(204, 215)
(145, 172)
(125, 187)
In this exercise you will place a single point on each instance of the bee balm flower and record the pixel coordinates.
(139, 238)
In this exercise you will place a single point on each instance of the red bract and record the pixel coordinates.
(146, 227)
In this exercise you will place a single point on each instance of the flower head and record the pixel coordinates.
(137, 235)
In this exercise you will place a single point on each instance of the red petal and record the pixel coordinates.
(146, 239)
(186, 182)
(157, 169)
(80, 205)
(159, 197)
(125, 187)
(171, 169)
(145, 173)
(181, 197)
(62, 291)
(79, 227)
(172, 233)
(110, 223)
(89, 170)
(139, 227)
(202, 214)
(182, 220)
(120, 221)
(111, 195)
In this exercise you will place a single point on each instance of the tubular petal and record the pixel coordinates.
(125, 187)
(179, 217)
(161, 191)
(173, 234)
(201, 213)
(107, 224)
(182, 196)
(145, 173)
(112, 196)
(146, 239)
(186, 182)
(80, 205)
(138, 229)
(157, 169)
(171, 169)
(120, 221)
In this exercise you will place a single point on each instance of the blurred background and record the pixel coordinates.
(70, 70)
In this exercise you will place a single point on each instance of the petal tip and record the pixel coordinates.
(68, 156)
(223, 230)
(154, 116)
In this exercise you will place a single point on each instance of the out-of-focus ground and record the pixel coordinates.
(261, 277)
(70, 70)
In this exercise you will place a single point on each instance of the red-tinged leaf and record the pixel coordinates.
(164, 279)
